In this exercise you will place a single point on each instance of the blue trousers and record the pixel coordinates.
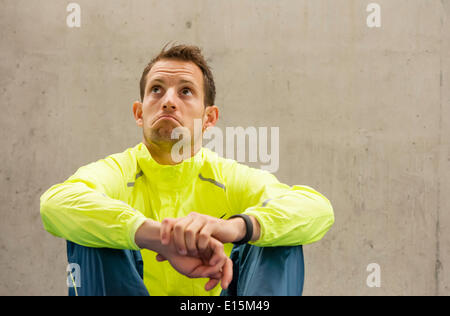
(257, 271)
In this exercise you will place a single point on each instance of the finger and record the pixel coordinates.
(218, 254)
(178, 234)
(217, 275)
(160, 258)
(204, 237)
(212, 283)
(191, 233)
(205, 256)
(207, 271)
(204, 271)
(166, 230)
(227, 274)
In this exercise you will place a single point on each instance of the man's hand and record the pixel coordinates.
(192, 233)
(213, 263)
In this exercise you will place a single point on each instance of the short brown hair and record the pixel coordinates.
(185, 53)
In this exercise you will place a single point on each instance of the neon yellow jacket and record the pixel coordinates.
(105, 202)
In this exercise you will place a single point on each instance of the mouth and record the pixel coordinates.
(167, 117)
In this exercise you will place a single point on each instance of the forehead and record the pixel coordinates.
(170, 69)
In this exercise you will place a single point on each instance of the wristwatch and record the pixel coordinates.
(249, 229)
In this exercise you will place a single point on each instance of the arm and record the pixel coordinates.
(281, 215)
(86, 208)
(238, 225)
(214, 264)
(191, 234)
(288, 216)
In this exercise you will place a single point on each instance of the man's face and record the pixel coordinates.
(173, 98)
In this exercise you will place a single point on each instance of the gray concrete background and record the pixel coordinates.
(363, 116)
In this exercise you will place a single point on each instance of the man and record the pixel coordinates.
(187, 212)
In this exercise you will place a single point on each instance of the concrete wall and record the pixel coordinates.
(363, 116)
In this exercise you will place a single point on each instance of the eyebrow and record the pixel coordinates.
(181, 81)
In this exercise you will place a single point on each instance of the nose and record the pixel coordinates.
(167, 107)
(169, 102)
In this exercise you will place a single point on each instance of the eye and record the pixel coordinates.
(186, 90)
(155, 87)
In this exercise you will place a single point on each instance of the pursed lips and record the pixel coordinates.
(167, 117)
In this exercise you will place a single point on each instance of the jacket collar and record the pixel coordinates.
(169, 176)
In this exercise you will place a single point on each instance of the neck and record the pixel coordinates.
(162, 153)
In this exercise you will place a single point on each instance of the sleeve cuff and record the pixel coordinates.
(134, 224)
(257, 216)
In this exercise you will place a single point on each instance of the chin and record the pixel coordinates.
(161, 136)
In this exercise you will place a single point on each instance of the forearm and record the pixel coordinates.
(299, 216)
(148, 236)
(77, 213)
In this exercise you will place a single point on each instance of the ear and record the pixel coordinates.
(210, 117)
(137, 112)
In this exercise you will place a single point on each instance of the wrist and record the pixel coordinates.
(148, 236)
(238, 227)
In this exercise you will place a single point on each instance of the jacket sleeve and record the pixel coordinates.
(87, 208)
(288, 216)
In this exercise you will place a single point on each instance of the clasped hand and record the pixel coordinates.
(196, 247)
